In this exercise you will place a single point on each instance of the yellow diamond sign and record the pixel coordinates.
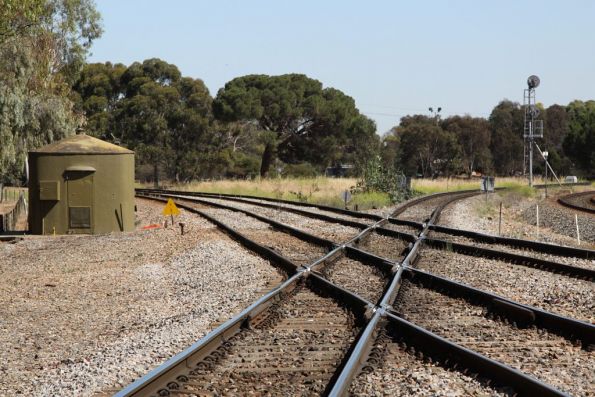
(170, 208)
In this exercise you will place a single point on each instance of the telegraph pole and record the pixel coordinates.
(533, 128)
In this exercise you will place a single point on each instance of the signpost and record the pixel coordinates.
(346, 196)
(487, 185)
(171, 210)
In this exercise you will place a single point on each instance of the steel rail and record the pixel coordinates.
(483, 365)
(520, 313)
(160, 379)
(517, 259)
(563, 184)
(248, 200)
(277, 225)
(567, 201)
(366, 258)
(315, 215)
(358, 355)
(285, 264)
(416, 225)
(549, 248)
(433, 344)
(411, 203)
(332, 255)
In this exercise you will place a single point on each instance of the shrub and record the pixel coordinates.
(378, 178)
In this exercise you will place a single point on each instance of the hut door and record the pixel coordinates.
(80, 202)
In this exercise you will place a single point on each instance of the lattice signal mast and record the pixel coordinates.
(533, 127)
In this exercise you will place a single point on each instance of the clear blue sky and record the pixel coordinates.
(393, 57)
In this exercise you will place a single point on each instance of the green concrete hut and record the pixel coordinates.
(81, 185)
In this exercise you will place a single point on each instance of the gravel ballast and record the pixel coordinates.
(331, 231)
(402, 374)
(467, 214)
(546, 356)
(384, 246)
(566, 260)
(317, 210)
(81, 314)
(555, 293)
(562, 220)
(402, 228)
(365, 280)
(295, 355)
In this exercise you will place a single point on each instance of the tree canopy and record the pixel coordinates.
(150, 108)
(257, 124)
(428, 146)
(43, 45)
(302, 120)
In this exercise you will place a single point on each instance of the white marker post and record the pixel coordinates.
(578, 236)
(500, 221)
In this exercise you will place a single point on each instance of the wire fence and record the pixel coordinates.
(9, 220)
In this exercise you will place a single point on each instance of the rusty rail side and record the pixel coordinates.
(517, 259)
(555, 323)
(163, 379)
(248, 200)
(435, 345)
(277, 225)
(567, 201)
(549, 248)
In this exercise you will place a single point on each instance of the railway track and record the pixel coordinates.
(355, 287)
(294, 348)
(541, 354)
(584, 201)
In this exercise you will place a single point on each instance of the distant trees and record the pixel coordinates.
(43, 45)
(256, 125)
(427, 146)
(473, 139)
(300, 120)
(506, 145)
(169, 120)
(579, 143)
(152, 109)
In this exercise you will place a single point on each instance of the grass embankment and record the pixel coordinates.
(327, 191)
(319, 190)
(430, 186)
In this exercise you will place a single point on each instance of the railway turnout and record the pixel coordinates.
(354, 308)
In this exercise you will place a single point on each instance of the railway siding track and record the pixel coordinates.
(545, 356)
(293, 204)
(511, 257)
(331, 231)
(530, 252)
(358, 223)
(518, 243)
(292, 348)
(371, 317)
(553, 292)
(583, 201)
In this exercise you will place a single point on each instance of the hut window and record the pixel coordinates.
(80, 217)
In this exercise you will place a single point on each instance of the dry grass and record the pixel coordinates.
(319, 190)
(428, 186)
(287, 188)
(323, 190)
